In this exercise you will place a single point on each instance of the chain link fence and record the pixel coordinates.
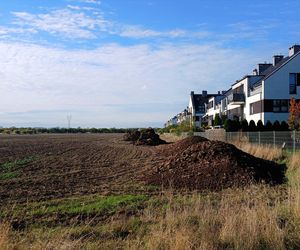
(281, 139)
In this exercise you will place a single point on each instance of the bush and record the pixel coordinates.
(260, 126)
(269, 126)
(276, 126)
(284, 126)
(252, 126)
(244, 125)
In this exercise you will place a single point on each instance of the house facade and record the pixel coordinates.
(263, 95)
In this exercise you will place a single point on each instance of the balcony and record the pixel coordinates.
(236, 98)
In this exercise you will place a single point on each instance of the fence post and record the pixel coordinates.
(294, 141)
(259, 138)
(274, 138)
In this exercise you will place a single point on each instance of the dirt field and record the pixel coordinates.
(41, 167)
(53, 166)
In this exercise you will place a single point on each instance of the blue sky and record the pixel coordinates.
(129, 63)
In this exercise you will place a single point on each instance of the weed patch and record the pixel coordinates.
(8, 170)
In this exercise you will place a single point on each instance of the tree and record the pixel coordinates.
(260, 126)
(276, 126)
(217, 120)
(252, 126)
(284, 126)
(269, 126)
(228, 125)
(294, 110)
(244, 125)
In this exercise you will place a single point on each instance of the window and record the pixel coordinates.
(251, 109)
(276, 105)
(210, 105)
(293, 89)
(280, 106)
(201, 109)
(294, 82)
(284, 106)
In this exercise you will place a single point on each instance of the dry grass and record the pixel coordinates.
(4, 235)
(266, 152)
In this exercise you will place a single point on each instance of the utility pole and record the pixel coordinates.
(69, 118)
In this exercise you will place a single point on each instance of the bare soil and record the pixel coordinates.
(67, 165)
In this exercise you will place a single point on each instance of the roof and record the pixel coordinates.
(199, 100)
(272, 69)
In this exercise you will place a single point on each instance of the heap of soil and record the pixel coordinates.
(132, 136)
(197, 163)
(144, 137)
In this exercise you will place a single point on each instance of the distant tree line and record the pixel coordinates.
(57, 130)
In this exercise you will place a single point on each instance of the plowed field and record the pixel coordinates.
(41, 167)
(53, 166)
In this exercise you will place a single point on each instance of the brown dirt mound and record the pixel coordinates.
(183, 144)
(144, 137)
(132, 136)
(212, 165)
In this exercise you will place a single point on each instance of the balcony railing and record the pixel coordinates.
(236, 98)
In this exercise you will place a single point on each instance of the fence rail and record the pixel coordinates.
(283, 139)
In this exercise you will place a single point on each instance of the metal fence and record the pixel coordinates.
(280, 139)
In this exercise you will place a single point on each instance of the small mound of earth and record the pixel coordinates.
(183, 144)
(132, 136)
(144, 137)
(200, 164)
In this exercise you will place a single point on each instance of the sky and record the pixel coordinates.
(130, 63)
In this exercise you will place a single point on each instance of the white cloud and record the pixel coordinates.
(64, 22)
(7, 31)
(82, 22)
(91, 1)
(141, 32)
(111, 85)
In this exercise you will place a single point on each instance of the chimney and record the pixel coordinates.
(255, 72)
(263, 67)
(294, 49)
(277, 59)
(204, 93)
(223, 92)
(192, 92)
(219, 92)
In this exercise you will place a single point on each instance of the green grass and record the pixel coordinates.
(9, 175)
(85, 206)
(8, 169)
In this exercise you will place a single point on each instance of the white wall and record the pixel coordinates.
(277, 85)
(255, 117)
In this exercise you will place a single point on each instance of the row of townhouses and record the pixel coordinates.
(264, 95)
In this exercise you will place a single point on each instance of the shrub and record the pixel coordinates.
(252, 126)
(260, 126)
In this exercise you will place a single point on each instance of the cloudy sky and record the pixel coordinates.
(130, 63)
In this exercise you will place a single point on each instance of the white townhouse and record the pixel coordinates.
(197, 106)
(265, 94)
(213, 108)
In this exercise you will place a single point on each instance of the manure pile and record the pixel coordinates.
(144, 137)
(196, 163)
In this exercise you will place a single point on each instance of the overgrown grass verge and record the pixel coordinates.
(9, 170)
(71, 210)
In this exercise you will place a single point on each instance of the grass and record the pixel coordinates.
(56, 211)
(8, 170)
